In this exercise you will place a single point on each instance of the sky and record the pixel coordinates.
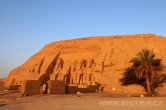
(27, 25)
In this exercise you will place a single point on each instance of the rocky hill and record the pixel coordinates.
(84, 61)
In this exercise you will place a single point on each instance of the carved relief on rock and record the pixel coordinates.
(75, 72)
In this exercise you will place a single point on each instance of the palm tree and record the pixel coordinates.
(146, 67)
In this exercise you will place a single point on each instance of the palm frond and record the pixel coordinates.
(139, 71)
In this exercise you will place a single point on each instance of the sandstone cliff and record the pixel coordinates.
(100, 59)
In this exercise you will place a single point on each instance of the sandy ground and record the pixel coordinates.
(95, 101)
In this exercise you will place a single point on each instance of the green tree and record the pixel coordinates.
(146, 66)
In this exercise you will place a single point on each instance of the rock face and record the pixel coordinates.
(2, 84)
(86, 61)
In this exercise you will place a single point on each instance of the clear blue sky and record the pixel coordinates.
(27, 25)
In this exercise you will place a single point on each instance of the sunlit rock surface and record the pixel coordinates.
(90, 60)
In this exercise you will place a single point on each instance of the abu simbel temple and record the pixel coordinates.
(90, 64)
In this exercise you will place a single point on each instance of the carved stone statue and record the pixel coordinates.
(59, 64)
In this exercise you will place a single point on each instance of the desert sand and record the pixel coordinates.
(91, 101)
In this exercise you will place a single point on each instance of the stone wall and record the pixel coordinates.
(30, 87)
(56, 87)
